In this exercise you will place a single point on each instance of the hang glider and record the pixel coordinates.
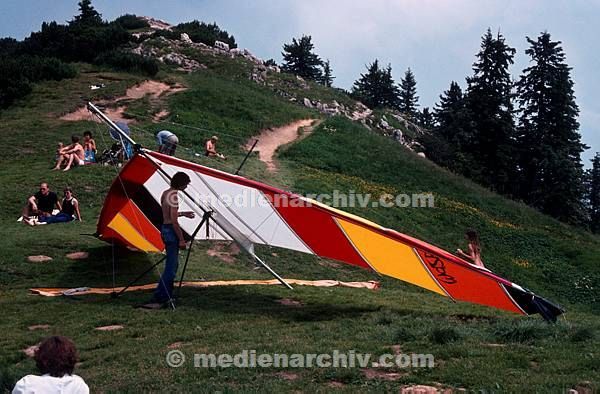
(251, 212)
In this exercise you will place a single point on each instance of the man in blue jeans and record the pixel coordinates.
(172, 237)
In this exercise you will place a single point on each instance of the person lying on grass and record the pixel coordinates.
(71, 155)
(55, 359)
(69, 211)
(41, 203)
(211, 148)
(474, 246)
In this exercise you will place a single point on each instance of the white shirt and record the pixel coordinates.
(46, 384)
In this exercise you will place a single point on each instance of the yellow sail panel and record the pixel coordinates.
(122, 226)
(390, 257)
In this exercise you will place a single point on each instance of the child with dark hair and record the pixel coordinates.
(474, 248)
(55, 359)
(89, 147)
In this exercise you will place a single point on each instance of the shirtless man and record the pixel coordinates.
(211, 148)
(72, 154)
(172, 237)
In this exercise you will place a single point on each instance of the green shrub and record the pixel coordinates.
(402, 334)
(199, 32)
(17, 74)
(583, 334)
(444, 335)
(131, 22)
(522, 331)
(127, 61)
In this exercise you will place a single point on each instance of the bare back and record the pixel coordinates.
(169, 201)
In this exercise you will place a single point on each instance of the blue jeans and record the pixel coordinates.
(164, 290)
(60, 218)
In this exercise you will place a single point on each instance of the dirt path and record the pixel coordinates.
(154, 88)
(271, 139)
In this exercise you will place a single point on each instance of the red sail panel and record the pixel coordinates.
(132, 176)
(317, 228)
(468, 283)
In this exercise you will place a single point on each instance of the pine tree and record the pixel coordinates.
(449, 142)
(376, 88)
(550, 144)
(88, 16)
(426, 119)
(489, 102)
(328, 77)
(408, 102)
(299, 59)
(594, 194)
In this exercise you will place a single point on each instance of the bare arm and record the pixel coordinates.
(58, 206)
(463, 254)
(174, 214)
(77, 213)
(210, 148)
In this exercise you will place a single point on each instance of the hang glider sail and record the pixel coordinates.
(251, 212)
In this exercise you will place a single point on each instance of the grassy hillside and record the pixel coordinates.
(475, 348)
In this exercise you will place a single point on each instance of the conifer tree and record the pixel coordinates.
(449, 142)
(426, 119)
(88, 16)
(299, 59)
(376, 88)
(550, 144)
(489, 103)
(328, 77)
(408, 101)
(594, 194)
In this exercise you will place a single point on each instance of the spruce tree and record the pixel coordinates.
(328, 77)
(88, 16)
(449, 143)
(299, 59)
(376, 88)
(426, 119)
(550, 144)
(489, 102)
(408, 101)
(594, 194)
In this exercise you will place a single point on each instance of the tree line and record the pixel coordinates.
(47, 54)
(519, 138)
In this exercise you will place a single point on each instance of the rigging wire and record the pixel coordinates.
(202, 129)
(193, 153)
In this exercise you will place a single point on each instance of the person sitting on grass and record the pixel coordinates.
(40, 204)
(55, 359)
(211, 148)
(71, 155)
(89, 148)
(69, 211)
(474, 246)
